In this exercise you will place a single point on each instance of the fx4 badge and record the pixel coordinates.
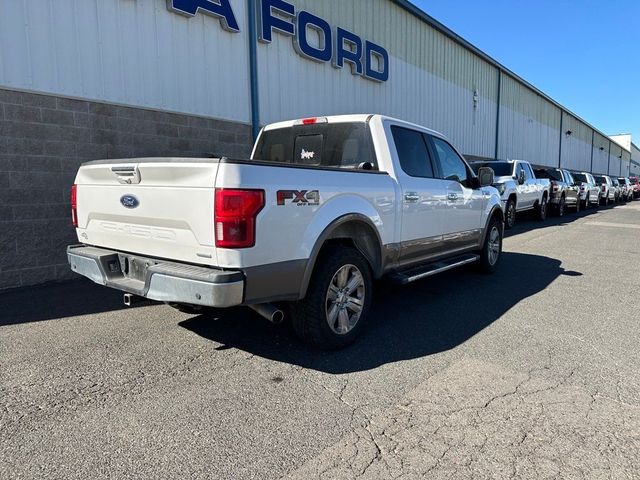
(300, 198)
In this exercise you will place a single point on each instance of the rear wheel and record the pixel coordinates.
(492, 249)
(335, 309)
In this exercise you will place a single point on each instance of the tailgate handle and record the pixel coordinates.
(129, 175)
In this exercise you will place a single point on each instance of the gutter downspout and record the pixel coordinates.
(560, 148)
(253, 69)
(498, 113)
(609, 159)
(593, 136)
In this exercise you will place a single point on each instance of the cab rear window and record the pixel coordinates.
(331, 145)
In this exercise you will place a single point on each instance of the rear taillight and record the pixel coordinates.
(74, 205)
(604, 188)
(235, 217)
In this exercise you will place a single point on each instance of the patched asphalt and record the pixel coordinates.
(533, 372)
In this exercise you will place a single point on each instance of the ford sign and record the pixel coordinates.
(129, 201)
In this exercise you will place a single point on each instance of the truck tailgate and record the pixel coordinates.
(157, 207)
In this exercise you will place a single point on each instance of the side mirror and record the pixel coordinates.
(521, 178)
(486, 176)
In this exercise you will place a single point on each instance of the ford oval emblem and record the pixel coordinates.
(129, 201)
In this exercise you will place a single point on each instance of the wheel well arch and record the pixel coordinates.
(355, 230)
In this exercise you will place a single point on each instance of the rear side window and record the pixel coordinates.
(550, 173)
(451, 165)
(580, 177)
(413, 153)
(335, 145)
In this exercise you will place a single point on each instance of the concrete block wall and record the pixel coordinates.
(44, 139)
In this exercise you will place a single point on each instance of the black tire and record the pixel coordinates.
(542, 209)
(510, 214)
(310, 316)
(488, 259)
(560, 207)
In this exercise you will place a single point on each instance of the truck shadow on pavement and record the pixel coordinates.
(56, 301)
(417, 320)
(527, 222)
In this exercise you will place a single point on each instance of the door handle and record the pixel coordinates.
(452, 197)
(411, 197)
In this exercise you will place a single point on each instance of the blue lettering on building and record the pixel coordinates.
(217, 8)
(339, 47)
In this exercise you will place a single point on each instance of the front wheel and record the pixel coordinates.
(560, 207)
(510, 214)
(542, 209)
(492, 249)
(338, 299)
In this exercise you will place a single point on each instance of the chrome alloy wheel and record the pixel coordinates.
(345, 299)
(494, 245)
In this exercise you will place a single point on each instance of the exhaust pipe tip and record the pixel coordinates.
(278, 317)
(268, 311)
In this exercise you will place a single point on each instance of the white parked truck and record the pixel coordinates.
(519, 188)
(322, 208)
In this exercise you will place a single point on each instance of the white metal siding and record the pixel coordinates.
(123, 51)
(529, 125)
(431, 78)
(576, 147)
(615, 163)
(600, 157)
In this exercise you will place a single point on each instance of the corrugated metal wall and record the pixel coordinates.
(615, 160)
(137, 52)
(124, 51)
(600, 153)
(576, 146)
(432, 78)
(635, 160)
(529, 125)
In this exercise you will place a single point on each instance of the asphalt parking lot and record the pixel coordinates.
(533, 372)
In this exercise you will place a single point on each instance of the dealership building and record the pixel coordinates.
(90, 79)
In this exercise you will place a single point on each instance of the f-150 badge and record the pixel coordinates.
(299, 197)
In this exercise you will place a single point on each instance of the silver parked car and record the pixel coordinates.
(589, 191)
(627, 189)
(617, 189)
(607, 191)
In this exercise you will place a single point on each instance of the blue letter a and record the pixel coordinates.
(219, 8)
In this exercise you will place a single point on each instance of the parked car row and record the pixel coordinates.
(524, 187)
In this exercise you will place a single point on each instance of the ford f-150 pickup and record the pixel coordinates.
(519, 188)
(322, 208)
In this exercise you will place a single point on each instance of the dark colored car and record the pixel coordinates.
(563, 192)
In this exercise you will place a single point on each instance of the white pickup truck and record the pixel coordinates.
(519, 188)
(323, 207)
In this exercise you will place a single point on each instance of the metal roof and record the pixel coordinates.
(432, 22)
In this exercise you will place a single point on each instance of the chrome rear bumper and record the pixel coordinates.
(158, 280)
